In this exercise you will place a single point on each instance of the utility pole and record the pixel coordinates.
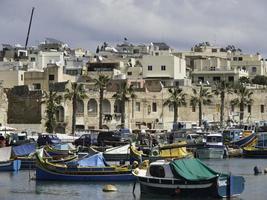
(29, 29)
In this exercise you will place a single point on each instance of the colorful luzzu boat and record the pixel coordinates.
(93, 168)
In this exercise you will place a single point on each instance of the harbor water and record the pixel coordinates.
(18, 185)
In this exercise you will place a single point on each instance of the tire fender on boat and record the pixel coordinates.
(155, 152)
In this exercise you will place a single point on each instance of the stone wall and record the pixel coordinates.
(24, 106)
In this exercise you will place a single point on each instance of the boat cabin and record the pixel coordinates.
(214, 139)
(230, 135)
(262, 140)
(160, 169)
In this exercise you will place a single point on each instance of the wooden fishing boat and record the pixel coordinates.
(258, 149)
(119, 153)
(213, 148)
(6, 163)
(24, 153)
(238, 138)
(59, 150)
(93, 168)
(187, 177)
(176, 150)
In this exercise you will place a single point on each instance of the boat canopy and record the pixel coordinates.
(24, 149)
(192, 169)
(96, 160)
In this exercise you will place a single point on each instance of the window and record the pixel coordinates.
(149, 67)
(254, 69)
(51, 77)
(240, 58)
(231, 79)
(212, 68)
(201, 79)
(157, 53)
(216, 79)
(157, 171)
(193, 108)
(214, 50)
(32, 59)
(235, 58)
(148, 109)
(154, 107)
(163, 67)
(262, 108)
(137, 106)
(249, 108)
(21, 77)
(233, 108)
(36, 86)
(129, 73)
(171, 108)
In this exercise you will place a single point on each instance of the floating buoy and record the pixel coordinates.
(257, 170)
(109, 188)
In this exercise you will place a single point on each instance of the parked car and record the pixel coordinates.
(84, 140)
(45, 139)
(110, 138)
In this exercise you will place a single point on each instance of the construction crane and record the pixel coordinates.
(29, 29)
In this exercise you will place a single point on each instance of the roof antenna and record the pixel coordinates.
(29, 29)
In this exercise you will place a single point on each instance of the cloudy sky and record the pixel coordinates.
(179, 23)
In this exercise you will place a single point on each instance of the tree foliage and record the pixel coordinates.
(221, 89)
(244, 79)
(124, 94)
(74, 94)
(260, 80)
(243, 98)
(101, 83)
(177, 98)
(201, 96)
(52, 101)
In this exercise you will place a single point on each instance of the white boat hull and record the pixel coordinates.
(210, 153)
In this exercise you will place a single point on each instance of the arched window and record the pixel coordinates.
(171, 108)
(80, 107)
(92, 106)
(106, 106)
(60, 114)
(117, 106)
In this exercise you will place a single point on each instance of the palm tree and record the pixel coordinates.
(221, 89)
(52, 100)
(200, 97)
(101, 83)
(176, 99)
(123, 94)
(244, 98)
(74, 94)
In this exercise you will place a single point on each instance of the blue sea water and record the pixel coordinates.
(17, 185)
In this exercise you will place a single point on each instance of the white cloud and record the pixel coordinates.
(180, 23)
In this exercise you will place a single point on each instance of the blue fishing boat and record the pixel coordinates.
(187, 177)
(89, 168)
(6, 163)
(238, 138)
